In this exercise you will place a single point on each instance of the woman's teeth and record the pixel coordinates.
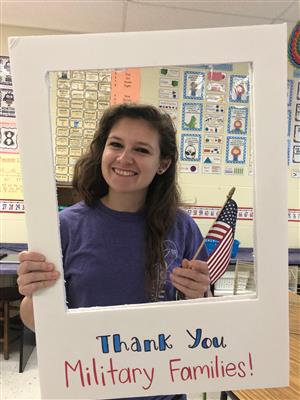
(123, 172)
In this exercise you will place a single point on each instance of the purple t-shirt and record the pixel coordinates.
(103, 254)
(103, 257)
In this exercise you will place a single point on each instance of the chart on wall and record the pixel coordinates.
(11, 192)
(293, 103)
(210, 106)
(79, 99)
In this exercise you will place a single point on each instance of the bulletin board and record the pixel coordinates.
(211, 108)
(231, 336)
(210, 114)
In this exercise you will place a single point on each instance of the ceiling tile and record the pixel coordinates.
(251, 8)
(292, 13)
(83, 16)
(107, 15)
(157, 18)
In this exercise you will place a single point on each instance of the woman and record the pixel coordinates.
(127, 240)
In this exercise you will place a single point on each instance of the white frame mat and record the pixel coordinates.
(244, 342)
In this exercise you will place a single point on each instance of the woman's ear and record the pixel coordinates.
(164, 165)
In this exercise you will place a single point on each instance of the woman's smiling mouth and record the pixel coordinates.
(124, 172)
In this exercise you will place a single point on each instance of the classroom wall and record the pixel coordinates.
(158, 86)
(198, 189)
(12, 225)
(209, 189)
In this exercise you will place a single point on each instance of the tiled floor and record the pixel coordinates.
(16, 386)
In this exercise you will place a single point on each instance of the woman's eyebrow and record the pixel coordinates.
(144, 144)
(113, 137)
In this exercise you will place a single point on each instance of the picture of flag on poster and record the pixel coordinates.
(223, 232)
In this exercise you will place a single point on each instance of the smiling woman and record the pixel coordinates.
(127, 241)
(130, 161)
(130, 173)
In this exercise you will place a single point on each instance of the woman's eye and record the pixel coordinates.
(142, 150)
(115, 144)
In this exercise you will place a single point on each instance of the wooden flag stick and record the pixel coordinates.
(229, 196)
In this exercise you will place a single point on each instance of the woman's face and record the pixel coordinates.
(131, 156)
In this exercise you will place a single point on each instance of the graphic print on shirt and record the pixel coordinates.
(159, 286)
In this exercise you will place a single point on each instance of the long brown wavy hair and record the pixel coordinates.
(162, 199)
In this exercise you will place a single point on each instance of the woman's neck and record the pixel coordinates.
(125, 202)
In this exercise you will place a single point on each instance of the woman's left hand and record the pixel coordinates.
(192, 279)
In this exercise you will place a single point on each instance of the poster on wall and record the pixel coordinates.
(218, 87)
(169, 82)
(297, 112)
(192, 116)
(11, 179)
(8, 139)
(235, 150)
(239, 89)
(289, 122)
(125, 86)
(5, 74)
(290, 86)
(237, 120)
(190, 147)
(193, 85)
(171, 108)
(297, 133)
(7, 103)
(296, 154)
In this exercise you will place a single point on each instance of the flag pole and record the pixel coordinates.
(228, 197)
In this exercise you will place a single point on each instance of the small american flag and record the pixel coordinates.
(222, 231)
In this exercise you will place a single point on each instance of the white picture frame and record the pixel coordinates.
(253, 329)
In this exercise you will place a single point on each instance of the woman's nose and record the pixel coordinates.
(125, 156)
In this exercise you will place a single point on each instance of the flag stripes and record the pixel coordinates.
(222, 231)
(218, 231)
(220, 257)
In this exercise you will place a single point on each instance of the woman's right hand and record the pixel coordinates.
(35, 273)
